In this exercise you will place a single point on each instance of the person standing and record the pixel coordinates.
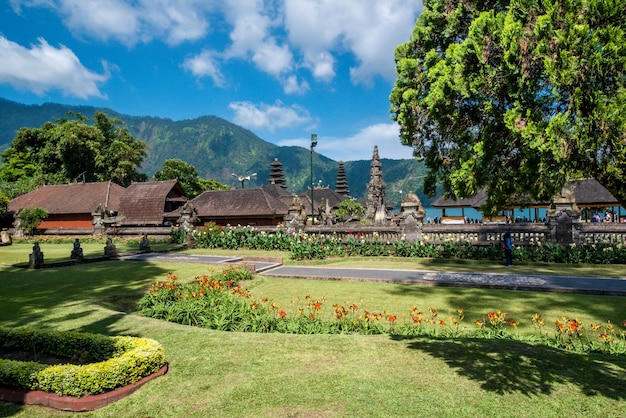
(507, 244)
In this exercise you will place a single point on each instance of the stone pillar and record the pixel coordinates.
(98, 225)
(188, 216)
(296, 216)
(411, 229)
(36, 257)
(77, 252)
(564, 219)
(411, 208)
(17, 224)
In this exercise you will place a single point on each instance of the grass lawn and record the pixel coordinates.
(241, 374)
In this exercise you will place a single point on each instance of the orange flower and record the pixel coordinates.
(355, 308)
(282, 313)
(595, 327)
(391, 318)
(442, 322)
(317, 306)
(416, 320)
(312, 316)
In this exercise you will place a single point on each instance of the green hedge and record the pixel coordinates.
(106, 363)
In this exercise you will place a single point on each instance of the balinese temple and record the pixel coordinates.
(375, 204)
(341, 185)
(276, 174)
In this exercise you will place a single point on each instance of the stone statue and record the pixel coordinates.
(77, 252)
(144, 245)
(110, 249)
(36, 257)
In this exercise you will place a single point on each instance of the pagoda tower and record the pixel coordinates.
(375, 205)
(341, 185)
(276, 174)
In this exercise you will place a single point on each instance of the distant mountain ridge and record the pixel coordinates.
(218, 148)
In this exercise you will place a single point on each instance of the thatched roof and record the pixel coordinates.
(587, 193)
(73, 198)
(146, 203)
(239, 203)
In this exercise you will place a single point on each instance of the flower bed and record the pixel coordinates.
(219, 302)
(101, 364)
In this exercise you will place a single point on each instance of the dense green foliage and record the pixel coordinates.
(350, 209)
(187, 176)
(516, 96)
(305, 246)
(71, 149)
(103, 363)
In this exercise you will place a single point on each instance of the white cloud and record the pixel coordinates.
(269, 117)
(369, 29)
(291, 85)
(130, 22)
(43, 68)
(359, 146)
(205, 64)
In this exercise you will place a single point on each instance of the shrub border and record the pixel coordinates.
(111, 372)
(69, 403)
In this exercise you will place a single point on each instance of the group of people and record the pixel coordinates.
(605, 217)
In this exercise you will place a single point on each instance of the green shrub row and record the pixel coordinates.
(104, 363)
(303, 246)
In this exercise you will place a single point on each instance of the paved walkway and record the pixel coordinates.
(512, 280)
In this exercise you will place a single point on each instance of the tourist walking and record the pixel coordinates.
(508, 249)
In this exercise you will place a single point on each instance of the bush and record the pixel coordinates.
(106, 363)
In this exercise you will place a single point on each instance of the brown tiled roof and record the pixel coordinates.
(71, 198)
(276, 190)
(239, 202)
(145, 203)
(325, 193)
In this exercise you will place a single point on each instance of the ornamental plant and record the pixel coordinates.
(218, 301)
(303, 246)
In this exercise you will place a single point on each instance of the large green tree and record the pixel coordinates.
(72, 149)
(515, 95)
(187, 176)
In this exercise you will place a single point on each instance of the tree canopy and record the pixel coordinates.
(71, 149)
(187, 176)
(517, 96)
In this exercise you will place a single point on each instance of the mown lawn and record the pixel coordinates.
(240, 374)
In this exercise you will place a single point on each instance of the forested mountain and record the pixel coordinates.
(218, 148)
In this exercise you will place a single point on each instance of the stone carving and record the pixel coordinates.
(296, 216)
(109, 249)
(188, 216)
(144, 245)
(36, 257)
(77, 251)
(375, 207)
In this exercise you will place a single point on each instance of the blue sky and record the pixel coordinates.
(283, 69)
